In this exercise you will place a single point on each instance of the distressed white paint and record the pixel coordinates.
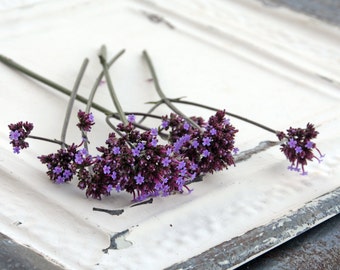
(262, 63)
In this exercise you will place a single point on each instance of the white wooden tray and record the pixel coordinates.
(272, 66)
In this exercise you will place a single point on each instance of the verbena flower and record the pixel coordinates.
(209, 148)
(86, 121)
(140, 167)
(61, 165)
(18, 134)
(298, 147)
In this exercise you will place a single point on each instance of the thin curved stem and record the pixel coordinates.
(102, 57)
(161, 93)
(50, 83)
(98, 81)
(46, 139)
(71, 101)
(178, 100)
(94, 90)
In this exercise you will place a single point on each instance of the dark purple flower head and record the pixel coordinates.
(210, 148)
(86, 121)
(136, 163)
(298, 147)
(61, 165)
(18, 133)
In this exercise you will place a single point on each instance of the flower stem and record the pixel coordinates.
(179, 100)
(99, 78)
(102, 57)
(46, 140)
(50, 83)
(72, 99)
(94, 90)
(161, 93)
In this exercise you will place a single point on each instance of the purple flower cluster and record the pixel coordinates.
(61, 165)
(209, 148)
(298, 147)
(86, 121)
(18, 133)
(137, 164)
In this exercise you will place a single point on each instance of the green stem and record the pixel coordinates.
(102, 57)
(46, 139)
(161, 93)
(178, 100)
(50, 83)
(99, 78)
(72, 99)
(94, 90)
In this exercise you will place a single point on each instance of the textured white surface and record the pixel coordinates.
(272, 66)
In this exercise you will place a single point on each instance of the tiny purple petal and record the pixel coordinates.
(165, 124)
(292, 143)
(298, 149)
(213, 131)
(109, 188)
(154, 132)
(116, 150)
(206, 153)
(16, 150)
(139, 179)
(195, 144)
(14, 135)
(206, 141)
(131, 118)
(154, 142)
(106, 169)
(309, 145)
(166, 162)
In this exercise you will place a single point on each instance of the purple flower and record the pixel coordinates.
(86, 121)
(206, 141)
(16, 150)
(195, 143)
(109, 188)
(131, 118)
(67, 174)
(114, 175)
(165, 123)
(14, 135)
(106, 169)
(205, 153)
(57, 170)
(116, 150)
(309, 145)
(186, 126)
(140, 146)
(154, 132)
(213, 131)
(181, 165)
(18, 134)
(139, 179)
(166, 161)
(79, 158)
(292, 143)
(154, 142)
(298, 147)
(61, 165)
(135, 152)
